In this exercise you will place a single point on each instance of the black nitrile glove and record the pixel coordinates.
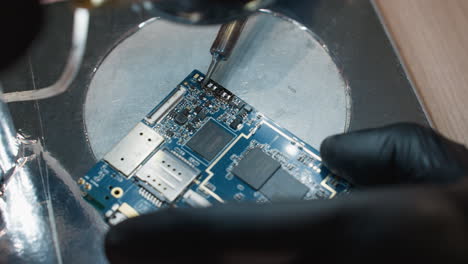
(420, 215)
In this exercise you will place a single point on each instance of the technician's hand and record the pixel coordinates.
(421, 214)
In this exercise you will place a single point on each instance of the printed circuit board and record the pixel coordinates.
(201, 146)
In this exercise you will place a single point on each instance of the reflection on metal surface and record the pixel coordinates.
(347, 88)
(80, 34)
(167, 174)
(9, 148)
(21, 221)
(134, 148)
(31, 215)
(278, 66)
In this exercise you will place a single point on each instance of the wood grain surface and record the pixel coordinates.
(431, 37)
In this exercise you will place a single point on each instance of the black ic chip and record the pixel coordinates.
(256, 168)
(236, 123)
(283, 186)
(198, 109)
(180, 119)
(190, 127)
(201, 115)
(210, 140)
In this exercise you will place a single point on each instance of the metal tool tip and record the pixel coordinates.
(205, 81)
(211, 69)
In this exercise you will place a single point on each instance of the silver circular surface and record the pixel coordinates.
(278, 67)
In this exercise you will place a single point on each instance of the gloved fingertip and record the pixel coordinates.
(330, 150)
(114, 245)
(354, 156)
(113, 239)
(327, 146)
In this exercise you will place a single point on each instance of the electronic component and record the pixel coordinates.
(210, 140)
(150, 197)
(245, 111)
(196, 200)
(170, 133)
(180, 118)
(202, 146)
(237, 103)
(161, 111)
(283, 186)
(134, 148)
(116, 218)
(256, 168)
(167, 174)
(236, 123)
(128, 211)
(247, 108)
(219, 91)
(201, 116)
(190, 127)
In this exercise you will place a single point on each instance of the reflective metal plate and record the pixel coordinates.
(279, 67)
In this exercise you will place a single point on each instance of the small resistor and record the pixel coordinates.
(239, 196)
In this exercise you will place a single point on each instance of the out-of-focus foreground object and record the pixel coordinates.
(430, 36)
(17, 36)
(203, 12)
(207, 11)
(78, 46)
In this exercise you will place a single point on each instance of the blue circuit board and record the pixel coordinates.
(203, 145)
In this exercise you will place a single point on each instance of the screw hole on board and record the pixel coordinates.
(117, 192)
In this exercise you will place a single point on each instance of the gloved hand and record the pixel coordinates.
(417, 211)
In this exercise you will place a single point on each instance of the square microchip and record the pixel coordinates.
(210, 140)
(256, 168)
(283, 186)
